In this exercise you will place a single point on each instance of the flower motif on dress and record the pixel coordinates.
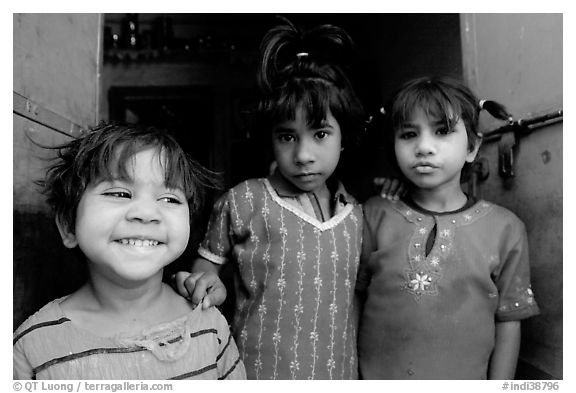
(434, 261)
(276, 337)
(422, 231)
(317, 281)
(331, 363)
(314, 336)
(420, 282)
(253, 284)
(258, 363)
(298, 309)
(283, 231)
(294, 365)
(347, 283)
(300, 255)
(262, 309)
(248, 194)
(417, 258)
(467, 217)
(346, 234)
(281, 283)
(333, 308)
(334, 255)
(265, 210)
(445, 233)
(244, 334)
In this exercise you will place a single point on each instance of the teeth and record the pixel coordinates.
(139, 243)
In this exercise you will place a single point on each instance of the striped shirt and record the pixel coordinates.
(48, 345)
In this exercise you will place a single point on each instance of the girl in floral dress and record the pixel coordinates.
(295, 237)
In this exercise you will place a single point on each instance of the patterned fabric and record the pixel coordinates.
(295, 317)
(199, 346)
(432, 315)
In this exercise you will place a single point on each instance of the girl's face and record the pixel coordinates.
(129, 230)
(431, 155)
(306, 156)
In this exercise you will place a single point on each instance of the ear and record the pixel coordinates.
(68, 238)
(471, 156)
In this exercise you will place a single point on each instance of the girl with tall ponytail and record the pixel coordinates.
(294, 237)
(445, 277)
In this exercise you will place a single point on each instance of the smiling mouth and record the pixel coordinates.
(139, 242)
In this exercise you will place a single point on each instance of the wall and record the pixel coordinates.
(517, 60)
(56, 92)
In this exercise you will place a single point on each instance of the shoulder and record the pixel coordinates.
(377, 204)
(210, 319)
(248, 189)
(49, 315)
(500, 214)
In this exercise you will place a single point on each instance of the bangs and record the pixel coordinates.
(315, 96)
(113, 164)
(433, 102)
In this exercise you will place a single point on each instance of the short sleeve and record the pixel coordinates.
(229, 364)
(216, 244)
(516, 299)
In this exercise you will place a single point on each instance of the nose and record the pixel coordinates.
(304, 152)
(143, 210)
(425, 145)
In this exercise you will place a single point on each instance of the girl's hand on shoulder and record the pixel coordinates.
(200, 287)
(389, 188)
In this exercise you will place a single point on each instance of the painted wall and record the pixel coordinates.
(517, 60)
(56, 89)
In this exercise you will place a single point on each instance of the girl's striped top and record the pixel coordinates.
(48, 345)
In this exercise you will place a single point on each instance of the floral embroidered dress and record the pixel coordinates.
(436, 283)
(295, 316)
(48, 345)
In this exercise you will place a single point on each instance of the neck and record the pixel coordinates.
(439, 200)
(125, 298)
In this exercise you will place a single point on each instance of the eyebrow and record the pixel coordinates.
(280, 129)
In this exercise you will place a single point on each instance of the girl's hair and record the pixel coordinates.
(443, 98)
(305, 68)
(103, 152)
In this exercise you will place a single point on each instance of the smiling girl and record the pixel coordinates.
(124, 196)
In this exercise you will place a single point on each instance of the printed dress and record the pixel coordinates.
(431, 315)
(198, 346)
(295, 317)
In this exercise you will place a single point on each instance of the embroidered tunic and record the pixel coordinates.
(432, 315)
(198, 346)
(295, 317)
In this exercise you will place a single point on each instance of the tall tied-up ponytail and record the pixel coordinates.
(305, 69)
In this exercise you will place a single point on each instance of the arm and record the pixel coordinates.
(505, 355)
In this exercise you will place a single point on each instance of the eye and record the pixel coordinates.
(285, 138)
(444, 130)
(171, 199)
(406, 134)
(321, 134)
(117, 194)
